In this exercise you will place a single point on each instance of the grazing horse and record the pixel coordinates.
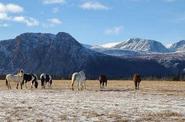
(80, 78)
(103, 81)
(45, 79)
(30, 77)
(137, 80)
(14, 78)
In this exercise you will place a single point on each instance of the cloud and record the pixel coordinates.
(29, 21)
(52, 22)
(4, 25)
(93, 6)
(53, 1)
(10, 8)
(55, 21)
(9, 12)
(55, 10)
(4, 16)
(114, 30)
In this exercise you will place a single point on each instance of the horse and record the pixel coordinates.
(45, 79)
(137, 80)
(103, 81)
(80, 78)
(30, 77)
(18, 78)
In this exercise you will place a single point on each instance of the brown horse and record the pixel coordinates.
(103, 81)
(137, 80)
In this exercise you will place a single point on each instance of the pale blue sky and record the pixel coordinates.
(95, 21)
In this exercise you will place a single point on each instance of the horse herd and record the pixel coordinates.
(22, 78)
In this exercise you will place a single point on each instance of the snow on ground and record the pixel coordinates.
(107, 105)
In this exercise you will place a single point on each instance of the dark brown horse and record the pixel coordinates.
(103, 81)
(137, 80)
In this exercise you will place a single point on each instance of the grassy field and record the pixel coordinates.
(162, 86)
(155, 101)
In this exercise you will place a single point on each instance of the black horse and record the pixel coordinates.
(29, 77)
(103, 81)
(137, 80)
(45, 79)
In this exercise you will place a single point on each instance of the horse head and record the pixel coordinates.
(21, 73)
(82, 74)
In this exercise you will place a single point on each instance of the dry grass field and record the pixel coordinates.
(155, 101)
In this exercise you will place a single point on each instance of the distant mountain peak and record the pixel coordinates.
(179, 46)
(138, 44)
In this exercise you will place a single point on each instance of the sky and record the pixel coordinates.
(95, 21)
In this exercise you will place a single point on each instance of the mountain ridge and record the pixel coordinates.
(61, 54)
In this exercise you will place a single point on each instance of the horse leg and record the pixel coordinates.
(81, 86)
(17, 87)
(10, 86)
(72, 85)
(138, 84)
(7, 83)
(101, 84)
(50, 83)
(135, 82)
(22, 83)
(26, 85)
(42, 83)
(78, 86)
(32, 82)
(84, 85)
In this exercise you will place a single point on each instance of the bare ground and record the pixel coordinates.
(156, 101)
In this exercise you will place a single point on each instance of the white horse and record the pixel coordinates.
(14, 78)
(80, 78)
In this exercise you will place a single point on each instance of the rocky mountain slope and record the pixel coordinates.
(62, 55)
(179, 46)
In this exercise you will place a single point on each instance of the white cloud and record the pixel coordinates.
(55, 10)
(4, 16)
(4, 25)
(55, 21)
(114, 30)
(52, 22)
(8, 13)
(10, 8)
(29, 21)
(53, 1)
(93, 6)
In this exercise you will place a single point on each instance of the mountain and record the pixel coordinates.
(179, 46)
(144, 45)
(62, 55)
(131, 47)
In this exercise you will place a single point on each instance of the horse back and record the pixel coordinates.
(137, 78)
(102, 78)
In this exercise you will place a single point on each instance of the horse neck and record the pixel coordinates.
(20, 74)
(82, 73)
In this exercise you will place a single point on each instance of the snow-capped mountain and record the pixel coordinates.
(62, 55)
(179, 46)
(109, 45)
(131, 47)
(144, 45)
